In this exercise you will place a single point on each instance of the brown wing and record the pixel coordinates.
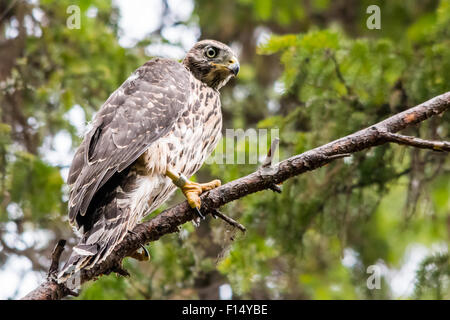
(143, 109)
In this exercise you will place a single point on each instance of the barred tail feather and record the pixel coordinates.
(115, 209)
(98, 243)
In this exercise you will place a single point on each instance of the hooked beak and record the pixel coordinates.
(233, 65)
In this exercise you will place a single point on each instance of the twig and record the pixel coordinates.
(338, 156)
(56, 255)
(228, 220)
(273, 147)
(267, 164)
(415, 142)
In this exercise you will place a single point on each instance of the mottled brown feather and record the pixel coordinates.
(134, 116)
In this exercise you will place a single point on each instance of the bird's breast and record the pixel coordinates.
(184, 148)
(192, 137)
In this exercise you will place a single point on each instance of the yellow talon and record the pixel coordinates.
(192, 190)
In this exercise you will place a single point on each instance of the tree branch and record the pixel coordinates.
(416, 142)
(264, 178)
(56, 255)
(228, 220)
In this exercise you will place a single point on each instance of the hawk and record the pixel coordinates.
(155, 130)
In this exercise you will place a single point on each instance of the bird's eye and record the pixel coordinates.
(211, 52)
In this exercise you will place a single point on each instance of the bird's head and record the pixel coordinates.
(212, 62)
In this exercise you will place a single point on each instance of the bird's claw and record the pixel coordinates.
(197, 210)
(193, 190)
(140, 256)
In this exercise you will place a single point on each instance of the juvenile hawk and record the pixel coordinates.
(157, 127)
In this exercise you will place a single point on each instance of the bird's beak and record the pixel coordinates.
(233, 65)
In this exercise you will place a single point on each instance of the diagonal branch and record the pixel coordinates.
(264, 178)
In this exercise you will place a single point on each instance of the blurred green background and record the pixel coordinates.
(311, 69)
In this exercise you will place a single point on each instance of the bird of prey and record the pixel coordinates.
(148, 138)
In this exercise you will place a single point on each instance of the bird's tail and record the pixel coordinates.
(96, 244)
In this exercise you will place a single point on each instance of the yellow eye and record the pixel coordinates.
(211, 52)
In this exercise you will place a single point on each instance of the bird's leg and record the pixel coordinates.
(140, 256)
(192, 190)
